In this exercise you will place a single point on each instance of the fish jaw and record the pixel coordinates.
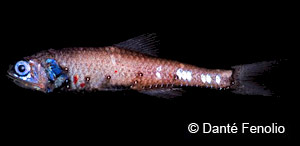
(35, 80)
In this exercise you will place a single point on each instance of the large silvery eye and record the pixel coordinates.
(22, 68)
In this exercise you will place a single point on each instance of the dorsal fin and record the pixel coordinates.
(146, 44)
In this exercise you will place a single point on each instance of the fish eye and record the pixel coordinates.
(22, 68)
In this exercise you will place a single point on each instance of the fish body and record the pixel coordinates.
(130, 65)
(113, 66)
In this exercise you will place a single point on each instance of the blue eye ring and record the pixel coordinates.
(22, 68)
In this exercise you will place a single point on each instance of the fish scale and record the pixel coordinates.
(97, 64)
(132, 64)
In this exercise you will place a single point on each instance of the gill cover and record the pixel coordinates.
(55, 75)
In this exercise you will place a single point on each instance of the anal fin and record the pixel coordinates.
(163, 93)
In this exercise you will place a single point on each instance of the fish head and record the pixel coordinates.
(29, 74)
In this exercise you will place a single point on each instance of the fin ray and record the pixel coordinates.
(146, 44)
(244, 76)
(164, 93)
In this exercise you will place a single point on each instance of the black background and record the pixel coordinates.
(212, 38)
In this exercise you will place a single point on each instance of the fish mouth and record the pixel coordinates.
(18, 81)
(10, 75)
(23, 83)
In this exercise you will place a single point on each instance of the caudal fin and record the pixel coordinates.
(245, 78)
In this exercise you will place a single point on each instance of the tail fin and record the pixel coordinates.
(245, 78)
